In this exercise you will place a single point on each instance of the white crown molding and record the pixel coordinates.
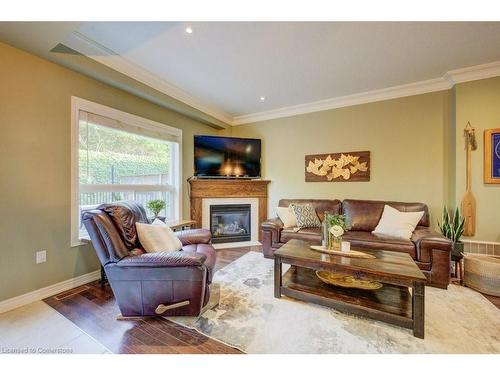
(446, 82)
(105, 56)
(415, 88)
(113, 60)
(473, 73)
(37, 295)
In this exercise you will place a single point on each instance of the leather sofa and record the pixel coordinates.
(150, 284)
(430, 250)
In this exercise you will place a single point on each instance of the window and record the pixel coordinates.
(118, 156)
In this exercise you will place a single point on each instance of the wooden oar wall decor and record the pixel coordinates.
(468, 200)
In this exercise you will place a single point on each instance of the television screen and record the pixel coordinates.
(226, 157)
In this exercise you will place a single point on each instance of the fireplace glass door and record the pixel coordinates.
(230, 222)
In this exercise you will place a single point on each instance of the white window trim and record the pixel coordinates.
(78, 104)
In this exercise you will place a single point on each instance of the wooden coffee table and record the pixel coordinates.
(392, 304)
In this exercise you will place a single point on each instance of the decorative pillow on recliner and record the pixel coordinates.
(157, 237)
(306, 216)
(395, 223)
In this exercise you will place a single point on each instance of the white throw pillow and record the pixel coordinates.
(157, 237)
(397, 224)
(287, 216)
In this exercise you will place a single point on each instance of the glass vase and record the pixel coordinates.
(334, 243)
(324, 233)
(337, 243)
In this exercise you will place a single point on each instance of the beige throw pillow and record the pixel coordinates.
(287, 216)
(157, 237)
(395, 223)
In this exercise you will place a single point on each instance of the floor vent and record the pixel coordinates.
(72, 292)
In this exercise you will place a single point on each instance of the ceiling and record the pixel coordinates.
(224, 68)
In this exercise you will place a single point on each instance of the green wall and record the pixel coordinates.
(35, 166)
(479, 103)
(405, 137)
(416, 144)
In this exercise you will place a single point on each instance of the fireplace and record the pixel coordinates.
(230, 222)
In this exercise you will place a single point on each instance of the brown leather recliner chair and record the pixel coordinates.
(150, 284)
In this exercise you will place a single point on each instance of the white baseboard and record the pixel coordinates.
(229, 245)
(37, 295)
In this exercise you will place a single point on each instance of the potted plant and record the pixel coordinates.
(453, 228)
(156, 205)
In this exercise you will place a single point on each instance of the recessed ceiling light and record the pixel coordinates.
(262, 98)
(189, 30)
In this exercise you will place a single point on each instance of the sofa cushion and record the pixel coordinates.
(287, 216)
(367, 240)
(312, 235)
(305, 215)
(364, 215)
(397, 224)
(320, 205)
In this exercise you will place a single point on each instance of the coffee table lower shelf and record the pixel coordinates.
(391, 303)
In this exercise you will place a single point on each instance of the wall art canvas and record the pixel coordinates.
(338, 167)
(492, 156)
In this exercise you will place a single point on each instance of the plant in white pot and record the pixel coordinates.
(453, 228)
(156, 205)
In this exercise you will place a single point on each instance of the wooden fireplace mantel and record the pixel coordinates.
(231, 188)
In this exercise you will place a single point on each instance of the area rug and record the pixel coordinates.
(457, 320)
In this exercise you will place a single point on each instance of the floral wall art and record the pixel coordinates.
(338, 167)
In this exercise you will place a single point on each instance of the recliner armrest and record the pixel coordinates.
(194, 236)
(164, 259)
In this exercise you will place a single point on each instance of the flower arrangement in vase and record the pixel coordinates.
(335, 228)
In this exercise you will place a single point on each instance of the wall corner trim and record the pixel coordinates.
(39, 294)
(473, 73)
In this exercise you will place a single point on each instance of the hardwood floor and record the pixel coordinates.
(92, 308)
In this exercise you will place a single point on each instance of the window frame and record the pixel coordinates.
(79, 104)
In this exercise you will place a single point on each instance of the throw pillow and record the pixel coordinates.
(157, 237)
(287, 216)
(394, 223)
(306, 216)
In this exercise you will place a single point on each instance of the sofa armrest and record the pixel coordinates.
(194, 236)
(427, 235)
(271, 234)
(164, 259)
(273, 223)
(434, 249)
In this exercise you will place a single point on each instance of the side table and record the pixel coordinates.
(458, 269)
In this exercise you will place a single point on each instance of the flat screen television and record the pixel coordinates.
(226, 157)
